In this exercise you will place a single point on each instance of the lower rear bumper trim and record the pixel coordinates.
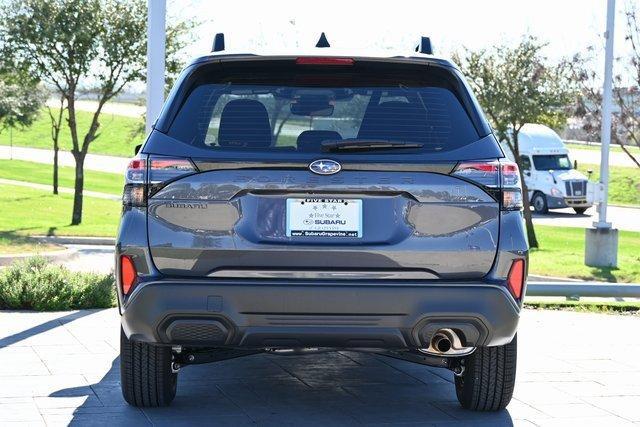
(250, 314)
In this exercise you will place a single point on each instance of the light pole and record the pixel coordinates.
(156, 37)
(601, 241)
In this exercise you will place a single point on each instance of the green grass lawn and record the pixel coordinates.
(561, 254)
(115, 134)
(624, 183)
(28, 211)
(39, 173)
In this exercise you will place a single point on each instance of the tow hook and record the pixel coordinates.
(175, 354)
(458, 369)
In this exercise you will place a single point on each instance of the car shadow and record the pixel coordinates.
(329, 389)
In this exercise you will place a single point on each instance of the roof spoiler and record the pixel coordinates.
(218, 43)
(424, 46)
(322, 41)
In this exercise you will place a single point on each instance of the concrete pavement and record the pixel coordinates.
(117, 108)
(574, 369)
(96, 162)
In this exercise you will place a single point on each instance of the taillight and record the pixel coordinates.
(146, 175)
(511, 188)
(323, 60)
(483, 173)
(515, 279)
(135, 178)
(500, 177)
(128, 274)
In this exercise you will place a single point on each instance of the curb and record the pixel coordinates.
(63, 255)
(77, 240)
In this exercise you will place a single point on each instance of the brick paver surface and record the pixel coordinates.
(574, 369)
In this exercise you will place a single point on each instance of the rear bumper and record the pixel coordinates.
(260, 314)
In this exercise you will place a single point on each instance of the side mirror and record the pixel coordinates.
(137, 149)
(575, 164)
(528, 173)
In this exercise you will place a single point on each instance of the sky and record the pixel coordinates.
(569, 26)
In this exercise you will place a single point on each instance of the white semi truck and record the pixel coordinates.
(551, 178)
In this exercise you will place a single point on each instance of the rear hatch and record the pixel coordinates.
(290, 168)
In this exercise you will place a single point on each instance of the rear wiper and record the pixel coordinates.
(367, 144)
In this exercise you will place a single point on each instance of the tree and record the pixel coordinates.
(96, 45)
(625, 120)
(515, 86)
(19, 102)
(56, 115)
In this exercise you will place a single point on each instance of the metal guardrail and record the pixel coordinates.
(583, 289)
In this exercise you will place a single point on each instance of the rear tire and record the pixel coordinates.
(145, 373)
(539, 203)
(488, 379)
(580, 211)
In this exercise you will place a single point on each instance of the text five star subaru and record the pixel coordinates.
(321, 201)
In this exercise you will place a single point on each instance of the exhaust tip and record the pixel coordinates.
(441, 342)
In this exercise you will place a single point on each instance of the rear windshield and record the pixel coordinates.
(304, 112)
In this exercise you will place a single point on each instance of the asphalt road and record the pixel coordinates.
(592, 157)
(622, 218)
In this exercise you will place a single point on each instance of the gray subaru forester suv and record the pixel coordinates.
(292, 204)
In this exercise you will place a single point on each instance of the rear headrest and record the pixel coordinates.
(395, 120)
(244, 123)
(311, 140)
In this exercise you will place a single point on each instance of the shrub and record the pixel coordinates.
(36, 284)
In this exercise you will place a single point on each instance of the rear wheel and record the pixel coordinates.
(580, 211)
(539, 203)
(488, 378)
(146, 377)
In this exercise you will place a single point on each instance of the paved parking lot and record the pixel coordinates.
(574, 369)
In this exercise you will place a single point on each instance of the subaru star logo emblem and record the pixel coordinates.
(325, 167)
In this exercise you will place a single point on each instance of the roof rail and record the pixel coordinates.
(322, 41)
(218, 43)
(424, 46)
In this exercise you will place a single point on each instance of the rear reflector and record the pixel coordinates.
(128, 274)
(515, 280)
(322, 60)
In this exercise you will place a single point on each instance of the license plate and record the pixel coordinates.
(324, 217)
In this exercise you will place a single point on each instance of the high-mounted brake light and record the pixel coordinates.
(323, 60)
(146, 175)
(501, 178)
(515, 279)
(128, 274)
